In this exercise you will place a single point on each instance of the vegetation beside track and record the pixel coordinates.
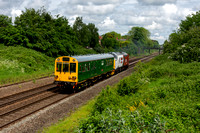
(160, 96)
(21, 64)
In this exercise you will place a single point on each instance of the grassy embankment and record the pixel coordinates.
(21, 64)
(162, 95)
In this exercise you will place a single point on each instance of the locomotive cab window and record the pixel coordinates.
(65, 67)
(58, 66)
(72, 67)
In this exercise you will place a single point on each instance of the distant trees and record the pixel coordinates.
(87, 34)
(110, 40)
(140, 39)
(137, 39)
(140, 36)
(185, 42)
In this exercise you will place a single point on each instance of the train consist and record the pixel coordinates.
(79, 71)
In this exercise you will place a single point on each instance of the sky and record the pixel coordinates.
(160, 17)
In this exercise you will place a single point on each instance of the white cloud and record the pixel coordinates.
(154, 26)
(156, 2)
(170, 9)
(108, 23)
(96, 9)
(15, 13)
(94, 2)
(160, 38)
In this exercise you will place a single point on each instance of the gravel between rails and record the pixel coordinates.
(52, 114)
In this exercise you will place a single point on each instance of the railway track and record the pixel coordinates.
(18, 106)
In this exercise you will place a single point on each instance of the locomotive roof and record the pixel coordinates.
(85, 58)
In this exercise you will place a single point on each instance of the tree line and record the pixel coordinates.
(137, 39)
(184, 44)
(39, 30)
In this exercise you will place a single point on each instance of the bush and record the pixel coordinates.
(122, 121)
(106, 99)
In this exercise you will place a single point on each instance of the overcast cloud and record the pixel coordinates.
(160, 17)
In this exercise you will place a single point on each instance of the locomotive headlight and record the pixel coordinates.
(70, 77)
(56, 76)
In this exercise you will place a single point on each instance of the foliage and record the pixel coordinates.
(185, 43)
(122, 121)
(137, 40)
(169, 101)
(87, 34)
(128, 86)
(140, 36)
(5, 21)
(110, 39)
(106, 98)
(39, 30)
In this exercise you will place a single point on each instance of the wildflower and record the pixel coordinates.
(132, 108)
(141, 104)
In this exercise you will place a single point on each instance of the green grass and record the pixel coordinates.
(162, 95)
(21, 64)
(71, 123)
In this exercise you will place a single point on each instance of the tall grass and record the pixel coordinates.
(19, 64)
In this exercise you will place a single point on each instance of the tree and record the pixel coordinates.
(5, 21)
(139, 36)
(94, 35)
(87, 34)
(81, 31)
(52, 36)
(111, 40)
(185, 43)
(190, 21)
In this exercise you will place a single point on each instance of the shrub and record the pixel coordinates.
(106, 99)
(122, 121)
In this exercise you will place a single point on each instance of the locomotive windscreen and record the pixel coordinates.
(65, 59)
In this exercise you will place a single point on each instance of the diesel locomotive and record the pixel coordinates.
(78, 71)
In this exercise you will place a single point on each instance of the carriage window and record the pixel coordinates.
(58, 66)
(102, 62)
(80, 68)
(72, 67)
(89, 67)
(65, 67)
(94, 66)
(83, 70)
